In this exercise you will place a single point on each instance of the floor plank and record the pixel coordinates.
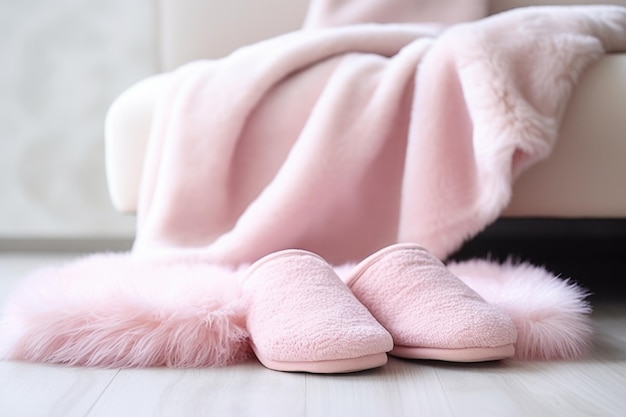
(33, 390)
(245, 389)
(400, 388)
(532, 389)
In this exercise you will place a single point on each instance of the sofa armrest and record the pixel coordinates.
(585, 175)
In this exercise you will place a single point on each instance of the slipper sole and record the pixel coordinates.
(337, 366)
(479, 354)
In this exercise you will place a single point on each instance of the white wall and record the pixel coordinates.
(62, 62)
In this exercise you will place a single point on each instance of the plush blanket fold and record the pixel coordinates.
(349, 135)
(343, 140)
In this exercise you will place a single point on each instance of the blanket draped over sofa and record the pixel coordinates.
(344, 139)
(378, 122)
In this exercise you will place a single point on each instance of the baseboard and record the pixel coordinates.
(64, 245)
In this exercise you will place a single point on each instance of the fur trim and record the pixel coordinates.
(111, 310)
(551, 314)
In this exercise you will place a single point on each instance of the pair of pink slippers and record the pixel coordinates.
(400, 301)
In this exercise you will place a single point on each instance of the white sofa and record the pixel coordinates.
(585, 176)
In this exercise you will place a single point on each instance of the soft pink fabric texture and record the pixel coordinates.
(344, 140)
(335, 139)
(300, 311)
(423, 305)
(116, 311)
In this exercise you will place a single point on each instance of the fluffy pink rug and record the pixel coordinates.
(113, 310)
(116, 311)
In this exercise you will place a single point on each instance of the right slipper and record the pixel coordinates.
(302, 318)
(430, 313)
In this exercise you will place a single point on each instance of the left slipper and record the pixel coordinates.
(302, 318)
(430, 313)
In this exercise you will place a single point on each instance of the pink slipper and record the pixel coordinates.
(430, 313)
(302, 317)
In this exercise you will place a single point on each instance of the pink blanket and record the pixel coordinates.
(340, 138)
(343, 140)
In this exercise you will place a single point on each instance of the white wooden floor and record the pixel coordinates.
(593, 387)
